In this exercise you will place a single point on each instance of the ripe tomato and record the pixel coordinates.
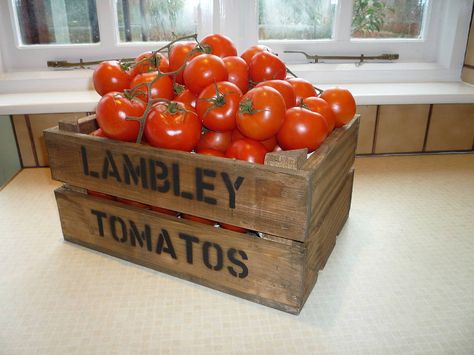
(261, 113)
(266, 66)
(302, 129)
(180, 53)
(248, 54)
(109, 76)
(233, 228)
(146, 62)
(202, 71)
(190, 217)
(98, 133)
(269, 143)
(236, 135)
(133, 203)
(161, 88)
(342, 104)
(111, 112)
(187, 98)
(248, 150)
(172, 126)
(320, 106)
(284, 88)
(238, 72)
(215, 140)
(101, 195)
(220, 45)
(164, 210)
(217, 105)
(303, 89)
(213, 152)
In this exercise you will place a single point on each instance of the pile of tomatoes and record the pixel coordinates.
(202, 97)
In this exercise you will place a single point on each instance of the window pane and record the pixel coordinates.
(57, 21)
(296, 19)
(388, 18)
(156, 20)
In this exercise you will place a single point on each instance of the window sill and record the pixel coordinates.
(365, 94)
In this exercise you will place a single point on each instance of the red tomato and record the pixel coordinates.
(266, 66)
(197, 219)
(204, 70)
(261, 113)
(109, 76)
(187, 98)
(220, 45)
(164, 210)
(111, 112)
(217, 105)
(172, 126)
(284, 88)
(238, 72)
(320, 106)
(98, 133)
(133, 203)
(215, 140)
(213, 152)
(248, 54)
(302, 129)
(100, 194)
(146, 62)
(161, 88)
(233, 228)
(248, 150)
(342, 104)
(269, 143)
(236, 135)
(303, 89)
(180, 53)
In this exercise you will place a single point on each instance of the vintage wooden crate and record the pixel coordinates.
(298, 204)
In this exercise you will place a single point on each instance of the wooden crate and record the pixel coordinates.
(298, 204)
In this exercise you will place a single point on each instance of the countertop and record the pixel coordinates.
(43, 101)
(400, 279)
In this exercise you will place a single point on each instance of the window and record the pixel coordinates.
(429, 35)
(60, 22)
(388, 18)
(295, 19)
(155, 20)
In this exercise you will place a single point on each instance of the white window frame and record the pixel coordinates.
(22, 57)
(440, 51)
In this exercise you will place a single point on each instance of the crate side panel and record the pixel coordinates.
(323, 239)
(330, 174)
(253, 196)
(250, 267)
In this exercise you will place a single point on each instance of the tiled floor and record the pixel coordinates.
(400, 279)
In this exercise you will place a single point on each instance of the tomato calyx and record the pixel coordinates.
(178, 89)
(217, 101)
(246, 107)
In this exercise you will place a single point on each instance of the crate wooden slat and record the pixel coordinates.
(297, 203)
(265, 194)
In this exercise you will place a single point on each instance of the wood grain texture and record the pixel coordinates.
(329, 172)
(262, 200)
(290, 159)
(274, 270)
(84, 125)
(323, 238)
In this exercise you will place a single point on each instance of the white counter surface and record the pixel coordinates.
(400, 279)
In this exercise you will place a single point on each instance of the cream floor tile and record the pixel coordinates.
(399, 279)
